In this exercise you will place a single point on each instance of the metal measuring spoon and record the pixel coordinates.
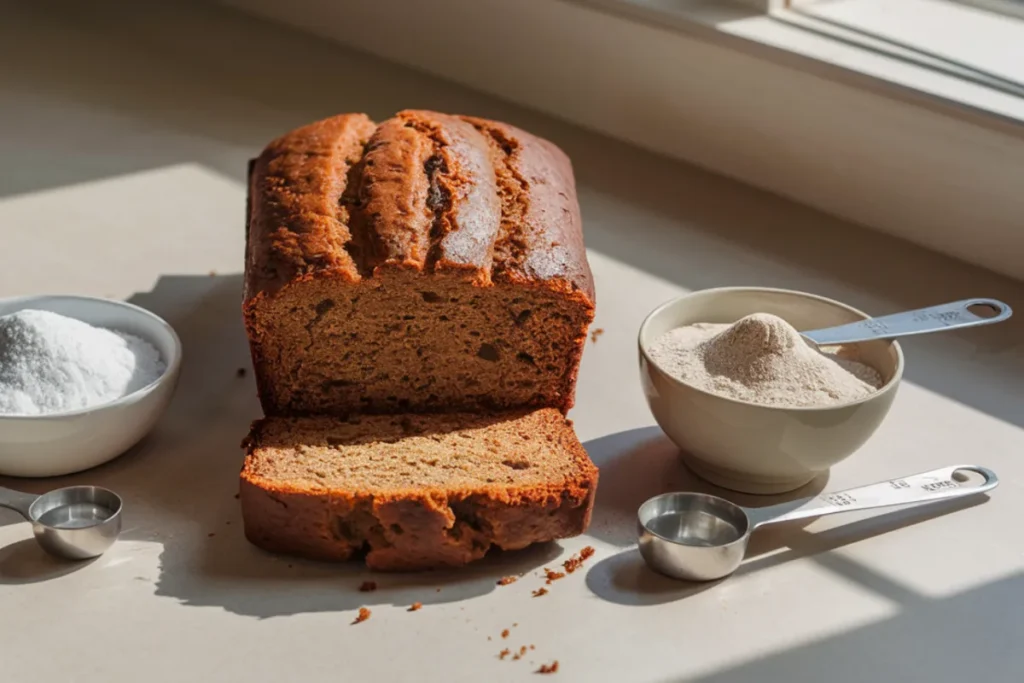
(700, 537)
(951, 316)
(74, 523)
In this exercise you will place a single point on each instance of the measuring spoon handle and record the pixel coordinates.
(17, 501)
(942, 484)
(949, 316)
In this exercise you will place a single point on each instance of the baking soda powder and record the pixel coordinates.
(762, 359)
(50, 363)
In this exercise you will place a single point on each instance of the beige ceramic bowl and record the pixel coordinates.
(753, 448)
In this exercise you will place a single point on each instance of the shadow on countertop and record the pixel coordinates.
(971, 635)
(639, 463)
(25, 561)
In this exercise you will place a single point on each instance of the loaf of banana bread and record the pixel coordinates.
(428, 263)
(416, 491)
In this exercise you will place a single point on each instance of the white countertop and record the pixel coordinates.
(124, 140)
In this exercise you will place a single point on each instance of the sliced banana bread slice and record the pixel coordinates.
(414, 491)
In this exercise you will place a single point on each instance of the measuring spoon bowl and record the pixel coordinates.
(692, 536)
(73, 523)
(700, 537)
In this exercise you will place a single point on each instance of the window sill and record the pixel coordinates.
(898, 147)
(879, 44)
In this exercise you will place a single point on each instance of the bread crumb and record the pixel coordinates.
(540, 591)
(533, 647)
(548, 668)
(596, 333)
(363, 615)
(506, 580)
(504, 653)
(515, 624)
(213, 273)
(438, 590)
(240, 372)
(368, 586)
(522, 651)
(415, 607)
(576, 561)
(553, 575)
(504, 634)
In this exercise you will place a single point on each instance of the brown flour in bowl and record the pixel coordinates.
(762, 359)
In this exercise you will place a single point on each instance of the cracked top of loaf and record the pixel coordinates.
(345, 197)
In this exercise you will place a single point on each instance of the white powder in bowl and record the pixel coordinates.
(50, 363)
(762, 359)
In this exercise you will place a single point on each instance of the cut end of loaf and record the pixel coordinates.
(413, 492)
(415, 343)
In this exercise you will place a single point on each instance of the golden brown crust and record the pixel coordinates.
(342, 197)
(543, 236)
(297, 224)
(417, 528)
(392, 195)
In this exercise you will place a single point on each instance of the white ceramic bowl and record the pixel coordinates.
(754, 448)
(63, 443)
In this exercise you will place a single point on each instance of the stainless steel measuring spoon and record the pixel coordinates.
(74, 523)
(699, 537)
(951, 316)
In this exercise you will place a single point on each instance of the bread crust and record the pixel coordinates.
(416, 528)
(347, 198)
